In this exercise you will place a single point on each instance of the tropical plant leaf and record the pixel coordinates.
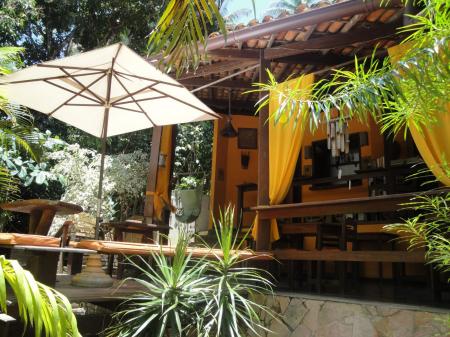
(182, 31)
(45, 309)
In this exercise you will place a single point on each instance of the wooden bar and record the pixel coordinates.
(352, 256)
(384, 203)
(263, 237)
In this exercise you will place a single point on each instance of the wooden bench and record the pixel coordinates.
(132, 248)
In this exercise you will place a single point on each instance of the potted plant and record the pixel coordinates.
(188, 199)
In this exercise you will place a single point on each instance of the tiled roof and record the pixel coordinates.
(296, 51)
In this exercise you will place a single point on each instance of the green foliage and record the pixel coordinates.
(186, 296)
(16, 126)
(14, 15)
(429, 229)
(189, 183)
(193, 151)
(181, 28)
(51, 29)
(27, 170)
(45, 309)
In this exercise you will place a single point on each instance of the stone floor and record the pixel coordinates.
(319, 316)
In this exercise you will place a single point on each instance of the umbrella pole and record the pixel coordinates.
(100, 189)
(102, 161)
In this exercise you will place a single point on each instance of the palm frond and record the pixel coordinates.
(429, 229)
(181, 28)
(45, 309)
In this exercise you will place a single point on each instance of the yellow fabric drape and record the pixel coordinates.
(432, 142)
(285, 143)
(161, 194)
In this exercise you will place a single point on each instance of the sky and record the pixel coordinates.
(235, 5)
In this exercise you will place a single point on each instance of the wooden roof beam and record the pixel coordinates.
(338, 40)
(199, 81)
(328, 13)
(331, 41)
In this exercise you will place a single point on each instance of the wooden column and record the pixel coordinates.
(263, 237)
(152, 173)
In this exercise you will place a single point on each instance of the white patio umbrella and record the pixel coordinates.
(105, 92)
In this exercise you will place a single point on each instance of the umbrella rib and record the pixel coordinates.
(150, 79)
(83, 86)
(129, 109)
(70, 67)
(134, 100)
(71, 98)
(52, 78)
(141, 100)
(81, 104)
(134, 93)
(186, 103)
(72, 91)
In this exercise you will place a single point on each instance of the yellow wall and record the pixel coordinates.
(229, 172)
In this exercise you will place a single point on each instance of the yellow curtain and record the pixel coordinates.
(161, 195)
(432, 141)
(285, 143)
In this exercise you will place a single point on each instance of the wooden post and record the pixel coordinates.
(263, 237)
(152, 173)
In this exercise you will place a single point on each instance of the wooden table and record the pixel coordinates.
(135, 226)
(42, 212)
(42, 261)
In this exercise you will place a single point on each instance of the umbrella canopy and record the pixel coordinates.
(105, 92)
(110, 88)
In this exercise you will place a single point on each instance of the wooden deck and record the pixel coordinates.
(117, 292)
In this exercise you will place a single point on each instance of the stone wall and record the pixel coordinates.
(318, 316)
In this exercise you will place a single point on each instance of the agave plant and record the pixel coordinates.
(174, 293)
(231, 310)
(188, 297)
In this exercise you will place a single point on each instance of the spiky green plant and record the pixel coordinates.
(186, 296)
(231, 310)
(174, 292)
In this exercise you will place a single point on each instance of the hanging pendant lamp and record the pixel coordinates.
(229, 131)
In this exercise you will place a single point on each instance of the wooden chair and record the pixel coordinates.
(332, 235)
(72, 260)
